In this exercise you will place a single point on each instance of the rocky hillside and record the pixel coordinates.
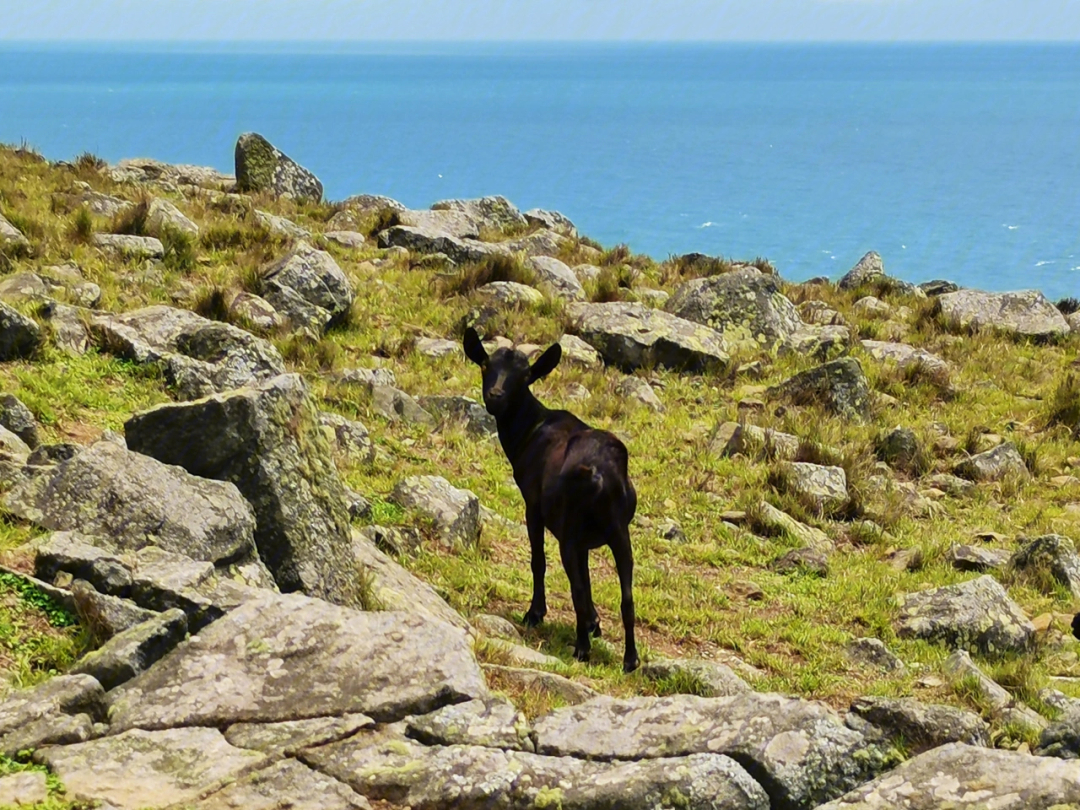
(260, 546)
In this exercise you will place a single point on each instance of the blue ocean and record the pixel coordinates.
(957, 161)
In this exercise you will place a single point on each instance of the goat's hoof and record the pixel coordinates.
(581, 655)
(532, 618)
(630, 666)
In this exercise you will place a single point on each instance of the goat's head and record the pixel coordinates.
(507, 374)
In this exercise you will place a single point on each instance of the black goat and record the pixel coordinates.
(574, 481)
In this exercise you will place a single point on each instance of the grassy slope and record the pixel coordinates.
(687, 593)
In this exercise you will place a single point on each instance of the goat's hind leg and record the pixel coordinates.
(624, 564)
(575, 561)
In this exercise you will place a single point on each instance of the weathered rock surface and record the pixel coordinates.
(173, 766)
(509, 293)
(491, 723)
(20, 336)
(869, 268)
(839, 386)
(494, 212)
(639, 390)
(1054, 554)
(571, 692)
(1001, 706)
(59, 711)
(131, 247)
(780, 522)
(291, 736)
(433, 240)
(280, 225)
(632, 335)
(745, 306)
(712, 678)
(395, 404)
(161, 215)
(993, 465)
(348, 437)
(147, 170)
(921, 726)
(262, 167)
(286, 784)
(900, 449)
(346, 239)
(17, 418)
(873, 651)
(821, 488)
(315, 278)
(462, 409)
(135, 650)
(798, 750)
(1062, 737)
(556, 277)
(807, 560)
(106, 615)
(977, 558)
(475, 778)
(1026, 313)
(905, 356)
(26, 788)
(289, 657)
(455, 513)
(754, 442)
(12, 236)
(137, 501)
(551, 220)
(964, 777)
(267, 441)
(973, 615)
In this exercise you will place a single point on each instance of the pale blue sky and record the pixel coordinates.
(758, 20)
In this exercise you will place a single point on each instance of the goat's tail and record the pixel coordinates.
(585, 475)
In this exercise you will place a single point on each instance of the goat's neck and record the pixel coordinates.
(518, 424)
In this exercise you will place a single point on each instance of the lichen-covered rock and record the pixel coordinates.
(509, 293)
(10, 236)
(280, 225)
(900, 449)
(257, 311)
(349, 437)
(869, 268)
(12, 448)
(993, 465)
(807, 560)
(267, 441)
(20, 336)
(905, 356)
(174, 766)
(921, 726)
(22, 789)
(455, 224)
(631, 335)
(639, 390)
(132, 651)
(455, 513)
(1062, 737)
(285, 784)
(965, 777)
(977, 558)
(290, 736)
(315, 277)
(491, 723)
(556, 277)
(839, 386)
(21, 287)
(289, 657)
(820, 313)
(137, 501)
(800, 751)
(17, 418)
(821, 343)
(62, 695)
(395, 404)
(162, 215)
(973, 615)
(74, 554)
(464, 409)
(262, 167)
(711, 678)
(734, 438)
(106, 615)
(534, 680)
(495, 212)
(433, 240)
(466, 777)
(821, 488)
(147, 170)
(1026, 312)
(873, 651)
(746, 307)
(131, 247)
(1054, 554)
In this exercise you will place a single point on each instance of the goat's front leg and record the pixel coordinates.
(534, 522)
(575, 561)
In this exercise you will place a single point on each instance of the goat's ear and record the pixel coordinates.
(546, 363)
(474, 349)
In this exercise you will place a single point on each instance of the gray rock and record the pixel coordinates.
(60, 710)
(493, 212)
(393, 540)
(20, 336)
(631, 335)
(105, 615)
(799, 751)
(438, 347)
(993, 465)
(869, 268)
(540, 243)
(395, 405)
(22, 287)
(1062, 737)
(569, 692)
(454, 513)
(551, 220)
(424, 240)
(938, 287)
(558, 279)
(464, 409)
(132, 651)
(289, 657)
(102, 205)
(146, 170)
(1055, 554)
(284, 784)
(496, 627)
(348, 437)
(26, 788)
(821, 343)
(807, 560)
(951, 484)
(455, 224)
(162, 215)
(964, 777)
(921, 726)
(821, 488)
(780, 522)
(976, 558)
(137, 501)
(12, 236)
(1026, 313)
(291, 736)
(711, 678)
(17, 418)
(58, 730)
(900, 449)
(734, 438)
(70, 332)
(467, 777)
(491, 723)
(746, 307)
(973, 615)
(357, 505)
(872, 307)
(522, 655)
(315, 277)
(262, 167)
(839, 386)
(577, 352)
(281, 225)
(368, 378)
(819, 313)
(303, 316)
(266, 440)
(74, 554)
(12, 448)
(257, 311)
(392, 587)
(131, 247)
(510, 294)
(346, 239)
(173, 766)
(639, 390)
(873, 651)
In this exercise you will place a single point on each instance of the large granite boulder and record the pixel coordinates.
(799, 751)
(976, 615)
(1026, 313)
(262, 167)
(1054, 555)
(965, 777)
(137, 501)
(921, 726)
(556, 277)
(839, 386)
(200, 356)
(632, 335)
(20, 336)
(268, 442)
(288, 657)
(315, 277)
(745, 306)
(495, 213)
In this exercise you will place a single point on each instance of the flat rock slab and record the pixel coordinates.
(973, 615)
(289, 657)
(465, 777)
(138, 501)
(963, 777)
(1026, 312)
(134, 247)
(632, 335)
(291, 736)
(286, 784)
(905, 356)
(171, 766)
(491, 723)
(799, 750)
(24, 788)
